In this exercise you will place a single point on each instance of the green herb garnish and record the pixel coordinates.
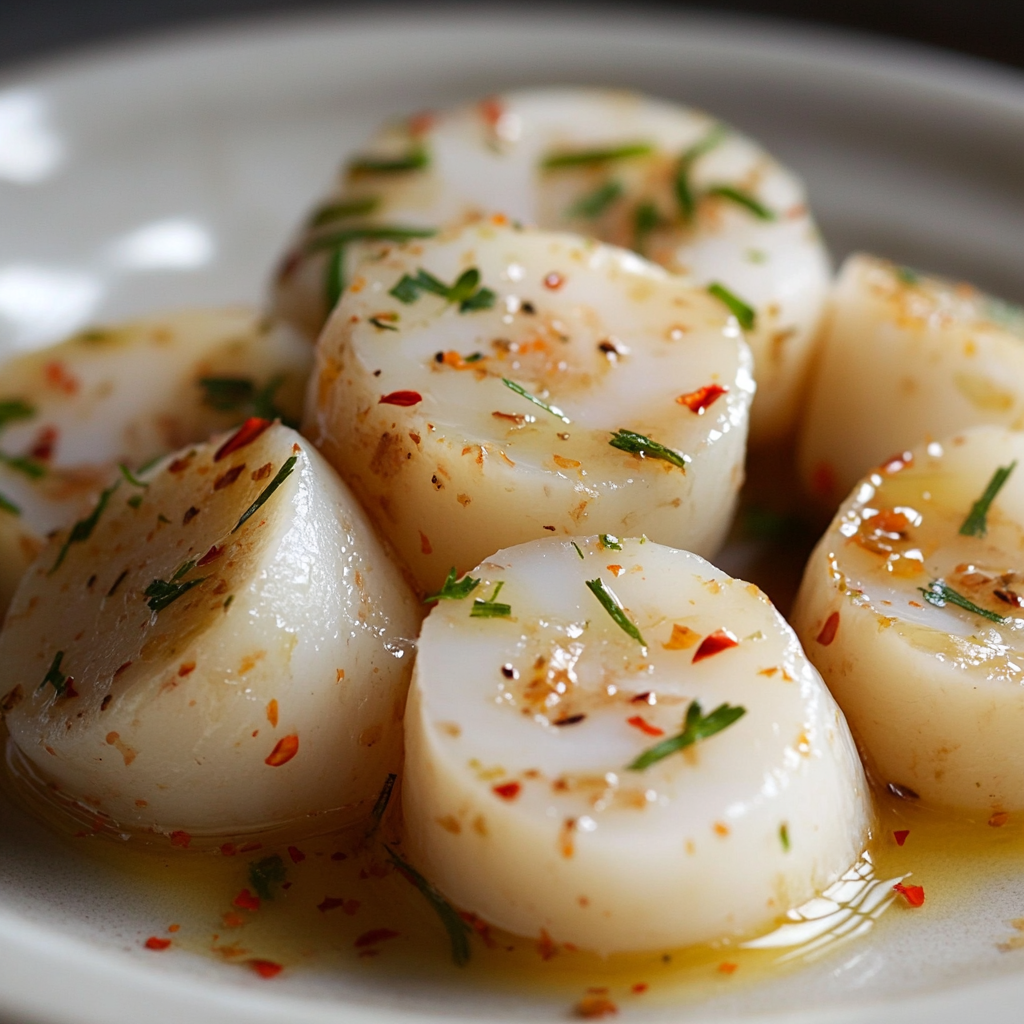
(282, 474)
(377, 815)
(6, 505)
(162, 593)
(54, 676)
(82, 530)
(30, 467)
(331, 212)
(907, 275)
(577, 547)
(240, 394)
(976, 523)
(131, 477)
(645, 219)
(415, 160)
(745, 314)
(491, 608)
(939, 594)
(586, 157)
(638, 444)
(610, 542)
(14, 409)
(458, 930)
(593, 204)
(266, 873)
(695, 727)
(741, 198)
(453, 590)
(520, 390)
(613, 606)
(684, 191)
(383, 325)
(465, 291)
(784, 837)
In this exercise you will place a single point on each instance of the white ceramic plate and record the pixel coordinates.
(167, 174)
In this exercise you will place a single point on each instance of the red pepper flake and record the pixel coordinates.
(272, 712)
(60, 378)
(402, 398)
(45, 442)
(913, 894)
(829, 630)
(640, 988)
(180, 465)
(727, 967)
(419, 124)
(999, 819)
(285, 750)
(375, 935)
(593, 1007)
(425, 547)
(246, 900)
(174, 928)
(554, 281)
(181, 839)
(187, 669)
(211, 556)
(645, 727)
(546, 946)
(336, 902)
(265, 968)
(228, 478)
(823, 480)
(69, 687)
(507, 790)
(697, 401)
(901, 836)
(228, 850)
(246, 434)
(156, 944)
(491, 110)
(715, 643)
(233, 920)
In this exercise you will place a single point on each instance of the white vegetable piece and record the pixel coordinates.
(657, 177)
(523, 797)
(472, 424)
(934, 691)
(222, 650)
(905, 359)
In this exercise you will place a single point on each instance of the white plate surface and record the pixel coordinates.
(168, 174)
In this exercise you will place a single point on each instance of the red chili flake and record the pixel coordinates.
(228, 478)
(425, 547)
(482, 928)
(181, 839)
(211, 556)
(59, 378)
(336, 902)
(645, 727)
(157, 944)
(375, 935)
(180, 465)
(595, 1007)
(228, 850)
(897, 462)
(569, 720)
(187, 669)
(697, 401)
(265, 968)
(403, 398)
(554, 281)
(189, 515)
(69, 687)
(715, 643)
(174, 928)
(420, 123)
(491, 110)
(829, 630)
(901, 836)
(999, 819)
(45, 442)
(914, 894)
(640, 988)
(507, 790)
(546, 946)
(823, 479)
(245, 434)
(727, 967)
(643, 698)
(285, 750)
(246, 900)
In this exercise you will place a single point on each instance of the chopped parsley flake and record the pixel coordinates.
(784, 837)
(577, 547)
(976, 523)
(8, 506)
(14, 409)
(683, 189)
(458, 930)
(240, 394)
(162, 593)
(613, 606)
(587, 157)
(638, 444)
(907, 275)
(54, 676)
(82, 530)
(939, 594)
(645, 219)
(453, 590)
(465, 291)
(265, 874)
(381, 806)
(30, 467)
(593, 204)
(742, 198)
(520, 390)
(131, 477)
(383, 325)
(610, 542)
(746, 315)
(491, 608)
(695, 727)
(331, 212)
(416, 159)
(282, 474)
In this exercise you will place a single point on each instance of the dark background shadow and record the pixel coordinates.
(992, 29)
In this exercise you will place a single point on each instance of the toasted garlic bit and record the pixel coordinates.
(453, 463)
(673, 184)
(517, 797)
(177, 671)
(905, 358)
(934, 695)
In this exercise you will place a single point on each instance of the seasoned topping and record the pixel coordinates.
(695, 727)
(976, 523)
(454, 589)
(645, 447)
(613, 606)
(465, 292)
(743, 312)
